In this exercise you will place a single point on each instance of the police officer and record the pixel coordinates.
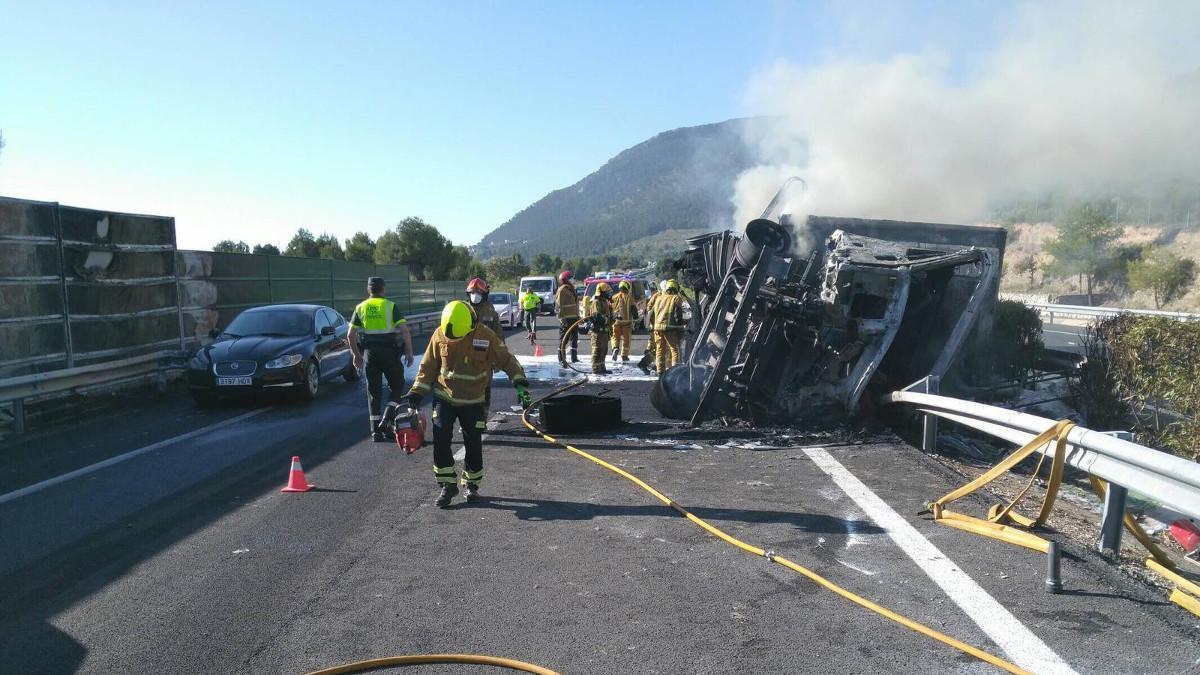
(624, 314)
(374, 327)
(456, 368)
(566, 302)
(668, 326)
(600, 315)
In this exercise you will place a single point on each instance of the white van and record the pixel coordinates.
(545, 287)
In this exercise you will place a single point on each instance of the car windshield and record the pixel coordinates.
(538, 285)
(282, 322)
(500, 298)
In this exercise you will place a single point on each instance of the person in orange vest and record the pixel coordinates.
(668, 326)
(624, 314)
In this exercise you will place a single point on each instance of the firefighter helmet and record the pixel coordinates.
(458, 319)
(478, 285)
(671, 286)
(624, 285)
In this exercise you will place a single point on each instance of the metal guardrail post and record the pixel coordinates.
(929, 423)
(62, 284)
(1112, 523)
(18, 416)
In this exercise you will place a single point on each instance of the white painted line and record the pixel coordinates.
(70, 475)
(1018, 642)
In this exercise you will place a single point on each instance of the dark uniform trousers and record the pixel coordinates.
(473, 421)
(380, 361)
(563, 326)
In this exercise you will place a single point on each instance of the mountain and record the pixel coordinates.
(680, 180)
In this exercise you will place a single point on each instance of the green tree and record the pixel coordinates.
(303, 245)
(231, 246)
(266, 249)
(419, 245)
(1164, 273)
(543, 263)
(328, 246)
(509, 267)
(360, 248)
(1084, 244)
(1027, 266)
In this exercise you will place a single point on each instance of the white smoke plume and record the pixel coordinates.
(1076, 98)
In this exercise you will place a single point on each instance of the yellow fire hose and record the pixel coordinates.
(769, 555)
(422, 659)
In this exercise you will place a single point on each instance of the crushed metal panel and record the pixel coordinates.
(786, 337)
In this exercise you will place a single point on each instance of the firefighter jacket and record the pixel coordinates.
(567, 301)
(668, 312)
(600, 312)
(458, 371)
(624, 309)
(488, 316)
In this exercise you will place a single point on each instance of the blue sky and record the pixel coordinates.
(248, 120)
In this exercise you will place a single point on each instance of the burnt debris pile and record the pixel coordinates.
(808, 338)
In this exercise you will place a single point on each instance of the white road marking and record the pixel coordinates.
(70, 475)
(1018, 642)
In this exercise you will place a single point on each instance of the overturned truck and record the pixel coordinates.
(809, 337)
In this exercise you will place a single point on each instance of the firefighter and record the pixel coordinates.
(374, 328)
(648, 360)
(566, 304)
(600, 316)
(668, 326)
(530, 302)
(477, 294)
(456, 369)
(624, 314)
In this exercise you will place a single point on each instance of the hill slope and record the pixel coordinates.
(678, 180)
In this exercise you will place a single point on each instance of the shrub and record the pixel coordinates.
(1015, 346)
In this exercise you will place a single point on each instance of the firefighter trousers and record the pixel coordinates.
(382, 361)
(666, 349)
(564, 324)
(622, 335)
(473, 423)
(599, 348)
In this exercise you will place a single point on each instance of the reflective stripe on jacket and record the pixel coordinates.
(488, 316)
(567, 301)
(377, 316)
(530, 301)
(458, 371)
(623, 308)
(668, 312)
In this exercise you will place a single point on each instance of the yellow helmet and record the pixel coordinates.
(624, 285)
(603, 288)
(672, 285)
(458, 319)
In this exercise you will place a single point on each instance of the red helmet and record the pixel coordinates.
(564, 277)
(478, 285)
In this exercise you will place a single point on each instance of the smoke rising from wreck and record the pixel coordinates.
(1082, 99)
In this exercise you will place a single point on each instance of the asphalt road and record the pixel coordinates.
(187, 559)
(1063, 337)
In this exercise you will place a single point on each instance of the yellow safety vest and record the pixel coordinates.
(530, 301)
(376, 316)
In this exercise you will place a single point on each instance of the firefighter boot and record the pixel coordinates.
(472, 495)
(574, 355)
(378, 437)
(449, 490)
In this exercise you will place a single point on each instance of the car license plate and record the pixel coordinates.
(243, 381)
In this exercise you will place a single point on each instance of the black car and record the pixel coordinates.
(279, 347)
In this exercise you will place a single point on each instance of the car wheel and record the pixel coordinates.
(204, 399)
(351, 374)
(312, 381)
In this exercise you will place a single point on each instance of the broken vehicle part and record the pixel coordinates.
(799, 337)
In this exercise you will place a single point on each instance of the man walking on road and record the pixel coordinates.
(600, 315)
(530, 302)
(566, 303)
(374, 328)
(668, 326)
(456, 368)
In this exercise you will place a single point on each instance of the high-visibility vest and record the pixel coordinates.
(377, 315)
(530, 301)
(668, 314)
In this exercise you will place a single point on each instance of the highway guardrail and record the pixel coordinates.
(1085, 312)
(16, 390)
(1166, 479)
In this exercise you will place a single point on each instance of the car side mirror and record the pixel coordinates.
(327, 330)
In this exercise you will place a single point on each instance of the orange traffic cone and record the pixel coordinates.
(537, 350)
(296, 480)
